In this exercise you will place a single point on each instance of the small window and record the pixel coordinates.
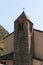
(30, 27)
(20, 27)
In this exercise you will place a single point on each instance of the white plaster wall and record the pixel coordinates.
(38, 44)
(9, 44)
(36, 62)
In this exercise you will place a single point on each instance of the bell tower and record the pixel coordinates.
(23, 40)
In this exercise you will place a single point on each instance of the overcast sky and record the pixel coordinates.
(11, 9)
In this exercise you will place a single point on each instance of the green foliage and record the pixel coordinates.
(1, 35)
(1, 42)
(1, 52)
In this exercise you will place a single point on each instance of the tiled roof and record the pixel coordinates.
(38, 30)
(37, 58)
(8, 35)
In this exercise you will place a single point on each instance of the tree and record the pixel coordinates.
(1, 43)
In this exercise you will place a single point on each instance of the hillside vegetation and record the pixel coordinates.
(3, 33)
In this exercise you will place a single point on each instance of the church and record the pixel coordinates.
(24, 46)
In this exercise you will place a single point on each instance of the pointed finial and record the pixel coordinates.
(23, 9)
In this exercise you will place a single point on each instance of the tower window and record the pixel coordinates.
(20, 27)
(30, 27)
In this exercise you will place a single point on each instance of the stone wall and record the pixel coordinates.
(22, 42)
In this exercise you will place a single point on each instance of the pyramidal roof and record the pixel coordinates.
(24, 15)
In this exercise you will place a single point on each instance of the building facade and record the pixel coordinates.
(25, 45)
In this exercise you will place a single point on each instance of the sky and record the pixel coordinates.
(11, 9)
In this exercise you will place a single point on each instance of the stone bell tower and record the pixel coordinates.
(23, 40)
